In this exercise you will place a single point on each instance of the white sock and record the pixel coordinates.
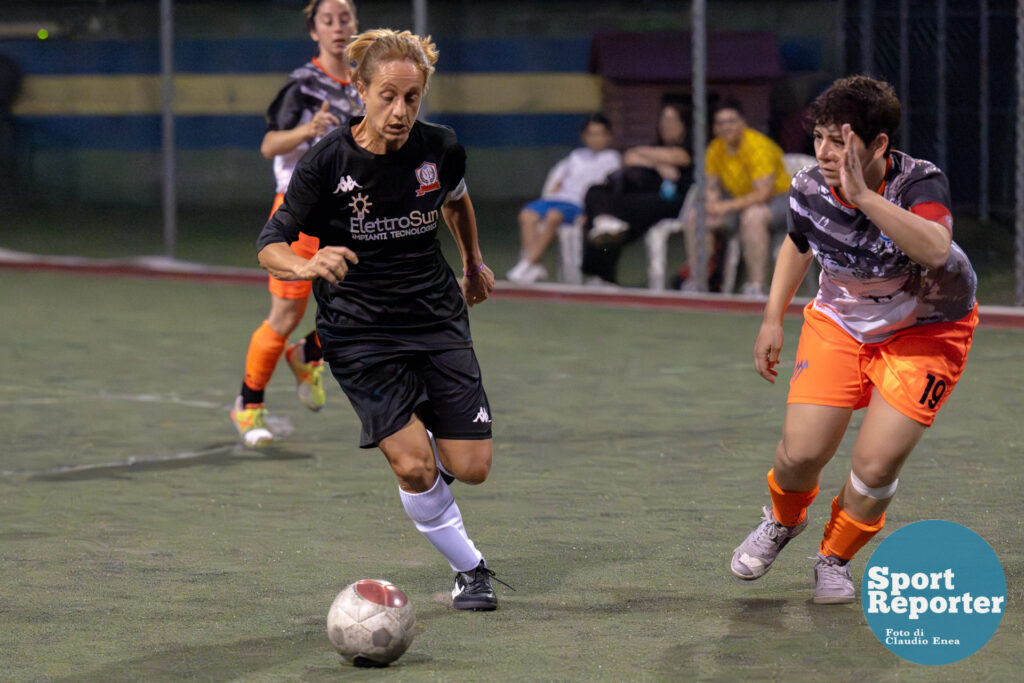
(438, 518)
(437, 458)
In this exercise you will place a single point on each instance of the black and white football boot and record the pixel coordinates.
(473, 589)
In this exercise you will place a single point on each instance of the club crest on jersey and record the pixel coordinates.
(426, 174)
(346, 184)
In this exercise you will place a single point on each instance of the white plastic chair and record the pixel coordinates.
(570, 235)
(656, 239)
(570, 252)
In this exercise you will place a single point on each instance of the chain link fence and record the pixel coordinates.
(957, 68)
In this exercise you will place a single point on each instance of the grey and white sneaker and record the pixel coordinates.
(473, 590)
(516, 271)
(833, 584)
(535, 273)
(606, 229)
(752, 559)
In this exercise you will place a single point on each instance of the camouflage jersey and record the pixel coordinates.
(867, 284)
(296, 104)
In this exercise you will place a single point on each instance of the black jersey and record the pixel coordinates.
(402, 295)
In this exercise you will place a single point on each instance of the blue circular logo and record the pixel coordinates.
(934, 592)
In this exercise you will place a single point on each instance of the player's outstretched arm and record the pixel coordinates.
(925, 241)
(790, 270)
(330, 263)
(283, 141)
(478, 279)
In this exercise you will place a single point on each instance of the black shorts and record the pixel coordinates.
(443, 387)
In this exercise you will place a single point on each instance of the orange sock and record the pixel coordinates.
(265, 349)
(789, 507)
(844, 535)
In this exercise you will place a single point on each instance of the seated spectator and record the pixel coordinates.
(747, 190)
(562, 197)
(651, 186)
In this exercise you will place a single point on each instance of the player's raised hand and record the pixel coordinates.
(766, 350)
(323, 120)
(477, 285)
(330, 263)
(851, 170)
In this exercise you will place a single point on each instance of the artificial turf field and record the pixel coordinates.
(139, 542)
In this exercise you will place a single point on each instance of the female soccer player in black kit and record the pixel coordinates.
(391, 316)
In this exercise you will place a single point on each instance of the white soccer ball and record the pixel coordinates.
(370, 623)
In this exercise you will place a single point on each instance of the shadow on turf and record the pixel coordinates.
(239, 660)
(223, 454)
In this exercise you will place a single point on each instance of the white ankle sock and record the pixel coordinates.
(438, 518)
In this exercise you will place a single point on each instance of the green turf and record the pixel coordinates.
(630, 453)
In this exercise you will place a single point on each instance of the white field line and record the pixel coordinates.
(103, 396)
(121, 464)
(281, 427)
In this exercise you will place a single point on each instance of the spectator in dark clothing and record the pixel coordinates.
(651, 186)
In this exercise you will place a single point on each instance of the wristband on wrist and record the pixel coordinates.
(467, 273)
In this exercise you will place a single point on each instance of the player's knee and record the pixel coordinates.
(873, 475)
(472, 465)
(474, 473)
(284, 318)
(757, 215)
(790, 456)
(415, 473)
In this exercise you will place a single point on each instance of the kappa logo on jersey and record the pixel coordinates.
(361, 205)
(426, 174)
(482, 415)
(346, 185)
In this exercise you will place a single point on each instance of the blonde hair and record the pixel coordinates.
(367, 51)
(309, 12)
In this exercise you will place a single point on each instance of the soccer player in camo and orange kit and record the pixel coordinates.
(317, 98)
(889, 329)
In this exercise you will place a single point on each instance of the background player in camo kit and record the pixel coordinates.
(889, 329)
(318, 97)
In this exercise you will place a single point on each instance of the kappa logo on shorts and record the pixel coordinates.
(426, 174)
(346, 184)
(800, 366)
(482, 415)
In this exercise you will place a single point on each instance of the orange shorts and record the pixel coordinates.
(305, 247)
(914, 370)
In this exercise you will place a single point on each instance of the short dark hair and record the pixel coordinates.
(869, 105)
(597, 118)
(730, 103)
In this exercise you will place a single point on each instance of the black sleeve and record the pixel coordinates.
(931, 187)
(285, 112)
(453, 162)
(298, 211)
(797, 225)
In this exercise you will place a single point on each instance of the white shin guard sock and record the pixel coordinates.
(438, 518)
